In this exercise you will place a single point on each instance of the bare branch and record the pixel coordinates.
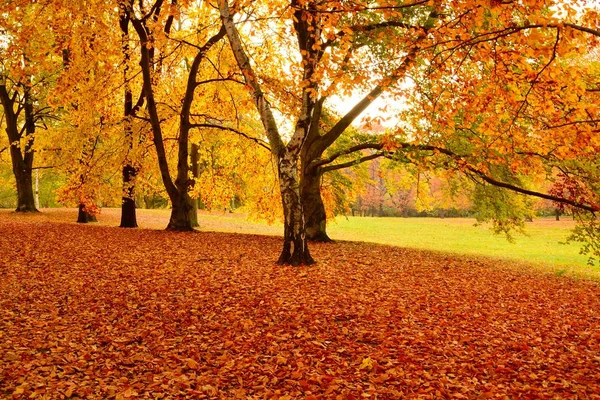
(353, 162)
(225, 79)
(330, 159)
(236, 131)
(359, 9)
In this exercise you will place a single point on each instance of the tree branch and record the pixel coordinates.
(238, 132)
(356, 9)
(592, 208)
(369, 28)
(226, 79)
(333, 157)
(331, 136)
(466, 168)
(353, 162)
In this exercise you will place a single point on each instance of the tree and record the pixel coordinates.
(153, 27)
(514, 96)
(339, 48)
(14, 105)
(460, 46)
(83, 144)
(130, 170)
(25, 76)
(295, 247)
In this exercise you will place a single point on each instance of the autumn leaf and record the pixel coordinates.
(366, 364)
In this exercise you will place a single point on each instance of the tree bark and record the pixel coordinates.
(128, 209)
(83, 217)
(314, 209)
(22, 161)
(295, 247)
(181, 215)
(23, 176)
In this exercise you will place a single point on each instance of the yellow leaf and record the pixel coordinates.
(367, 364)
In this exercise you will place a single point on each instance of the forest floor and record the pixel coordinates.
(100, 312)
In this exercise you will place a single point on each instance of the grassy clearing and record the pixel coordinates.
(540, 246)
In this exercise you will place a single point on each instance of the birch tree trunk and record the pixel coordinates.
(295, 247)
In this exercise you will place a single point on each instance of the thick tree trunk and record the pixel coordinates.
(314, 209)
(21, 163)
(83, 217)
(23, 177)
(181, 214)
(128, 212)
(295, 246)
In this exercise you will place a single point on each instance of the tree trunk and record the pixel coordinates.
(83, 217)
(23, 176)
(22, 162)
(195, 170)
(128, 212)
(314, 209)
(181, 214)
(295, 245)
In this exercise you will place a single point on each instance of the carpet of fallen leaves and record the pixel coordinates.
(102, 312)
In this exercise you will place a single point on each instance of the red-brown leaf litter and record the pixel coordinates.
(101, 312)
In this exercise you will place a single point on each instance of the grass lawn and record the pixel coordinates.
(541, 244)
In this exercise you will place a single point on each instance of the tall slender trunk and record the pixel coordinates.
(314, 209)
(195, 169)
(128, 211)
(295, 247)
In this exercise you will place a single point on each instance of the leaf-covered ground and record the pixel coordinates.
(101, 312)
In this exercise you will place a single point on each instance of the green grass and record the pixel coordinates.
(540, 245)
